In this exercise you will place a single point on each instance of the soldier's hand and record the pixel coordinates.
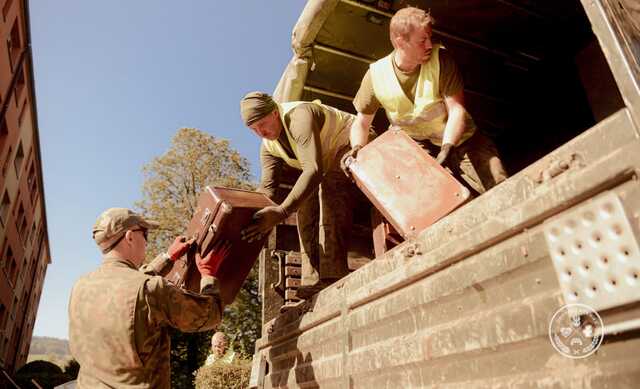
(353, 153)
(209, 264)
(444, 153)
(179, 247)
(264, 220)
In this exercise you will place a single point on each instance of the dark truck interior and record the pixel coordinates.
(535, 75)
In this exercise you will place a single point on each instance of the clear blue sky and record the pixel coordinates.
(114, 81)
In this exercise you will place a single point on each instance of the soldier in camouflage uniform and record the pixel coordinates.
(310, 137)
(120, 314)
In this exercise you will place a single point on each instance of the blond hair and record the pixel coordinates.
(407, 20)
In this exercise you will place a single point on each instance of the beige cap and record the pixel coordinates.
(114, 222)
(256, 105)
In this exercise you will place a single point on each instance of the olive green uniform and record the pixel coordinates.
(119, 320)
(323, 201)
(475, 161)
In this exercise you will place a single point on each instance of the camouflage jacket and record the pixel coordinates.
(119, 320)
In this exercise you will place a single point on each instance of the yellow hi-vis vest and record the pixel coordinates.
(426, 117)
(334, 134)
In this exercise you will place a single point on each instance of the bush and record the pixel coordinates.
(72, 368)
(46, 374)
(223, 375)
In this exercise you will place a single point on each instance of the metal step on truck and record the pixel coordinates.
(534, 284)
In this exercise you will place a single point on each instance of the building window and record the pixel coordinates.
(6, 162)
(32, 235)
(21, 224)
(19, 88)
(14, 308)
(20, 217)
(23, 230)
(6, 8)
(14, 44)
(4, 132)
(22, 112)
(4, 208)
(19, 158)
(32, 183)
(11, 267)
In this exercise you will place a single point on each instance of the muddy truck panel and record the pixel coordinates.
(469, 302)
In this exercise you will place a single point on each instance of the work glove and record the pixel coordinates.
(264, 220)
(353, 153)
(444, 153)
(209, 264)
(179, 247)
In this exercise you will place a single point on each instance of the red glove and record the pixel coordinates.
(208, 266)
(179, 247)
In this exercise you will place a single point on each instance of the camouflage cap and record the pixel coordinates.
(114, 222)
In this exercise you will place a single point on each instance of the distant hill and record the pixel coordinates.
(49, 349)
(51, 346)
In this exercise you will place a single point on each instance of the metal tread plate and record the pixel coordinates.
(595, 253)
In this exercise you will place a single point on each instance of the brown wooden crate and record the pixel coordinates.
(220, 215)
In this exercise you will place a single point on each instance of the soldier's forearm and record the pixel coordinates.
(359, 132)
(157, 265)
(306, 184)
(455, 126)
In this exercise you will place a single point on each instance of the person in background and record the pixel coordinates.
(219, 350)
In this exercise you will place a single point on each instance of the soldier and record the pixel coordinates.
(421, 90)
(310, 137)
(220, 350)
(120, 314)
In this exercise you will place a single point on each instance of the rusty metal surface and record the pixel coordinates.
(407, 185)
(284, 238)
(467, 304)
(221, 214)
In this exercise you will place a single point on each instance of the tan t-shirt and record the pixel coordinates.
(450, 84)
(305, 123)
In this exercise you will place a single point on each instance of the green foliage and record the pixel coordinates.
(242, 322)
(173, 182)
(46, 374)
(221, 375)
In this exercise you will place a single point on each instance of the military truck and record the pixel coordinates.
(471, 302)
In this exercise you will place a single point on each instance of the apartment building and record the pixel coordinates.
(24, 243)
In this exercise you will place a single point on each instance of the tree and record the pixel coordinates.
(45, 373)
(170, 190)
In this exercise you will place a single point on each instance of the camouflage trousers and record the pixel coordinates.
(475, 163)
(324, 227)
